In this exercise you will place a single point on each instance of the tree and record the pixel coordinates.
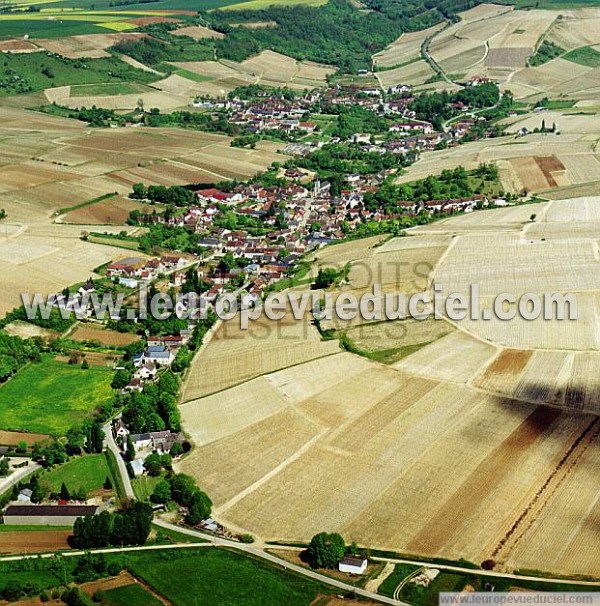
(130, 453)
(153, 464)
(183, 488)
(199, 508)
(4, 467)
(326, 550)
(85, 365)
(161, 493)
(176, 450)
(22, 447)
(96, 438)
(121, 379)
(132, 526)
(139, 191)
(65, 495)
(107, 484)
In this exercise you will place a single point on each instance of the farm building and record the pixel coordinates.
(353, 565)
(46, 515)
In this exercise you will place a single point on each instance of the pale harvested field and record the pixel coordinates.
(571, 122)
(576, 28)
(162, 100)
(198, 32)
(504, 38)
(556, 79)
(498, 43)
(415, 73)
(179, 85)
(456, 358)
(92, 46)
(539, 376)
(569, 520)
(426, 241)
(253, 452)
(508, 219)
(235, 355)
(402, 333)
(404, 49)
(267, 68)
(401, 432)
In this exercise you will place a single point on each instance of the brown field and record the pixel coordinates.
(37, 541)
(198, 32)
(122, 580)
(86, 332)
(114, 211)
(93, 358)
(17, 46)
(12, 438)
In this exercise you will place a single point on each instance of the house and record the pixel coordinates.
(159, 354)
(161, 441)
(128, 282)
(46, 515)
(127, 267)
(25, 496)
(134, 385)
(353, 565)
(146, 371)
(141, 441)
(120, 429)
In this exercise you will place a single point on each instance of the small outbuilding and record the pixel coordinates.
(353, 565)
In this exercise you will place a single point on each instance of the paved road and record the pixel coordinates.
(263, 555)
(112, 446)
(18, 476)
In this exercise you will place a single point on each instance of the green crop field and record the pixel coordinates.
(30, 72)
(183, 576)
(50, 396)
(586, 55)
(219, 577)
(108, 89)
(184, 73)
(129, 595)
(87, 473)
